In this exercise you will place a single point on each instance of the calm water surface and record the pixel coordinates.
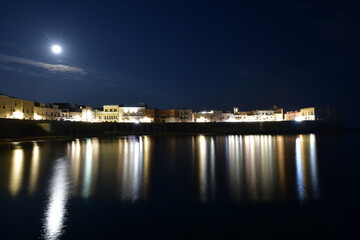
(176, 187)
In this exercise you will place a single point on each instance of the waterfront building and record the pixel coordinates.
(254, 116)
(150, 114)
(307, 114)
(69, 112)
(75, 116)
(263, 115)
(184, 115)
(169, 115)
(133, 114)
(293, 116)
(208, 116)
(44, 111)
(110, 113)
(16, 108)
(228, 117)
(164, 115)
(118, 113)
(278, 114)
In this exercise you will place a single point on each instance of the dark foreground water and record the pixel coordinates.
(181, 187)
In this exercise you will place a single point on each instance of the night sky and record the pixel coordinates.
(197, 54)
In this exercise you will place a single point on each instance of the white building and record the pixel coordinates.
(208, 116)
(116, 113)
(44, 111)
(132, 114)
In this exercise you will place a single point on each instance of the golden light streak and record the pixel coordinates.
(16, 174)
(147, 159)
(202, 168)
(75, 160)
(281, 166)
(34, 170)
(313, 164)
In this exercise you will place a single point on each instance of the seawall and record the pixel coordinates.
(16, 129)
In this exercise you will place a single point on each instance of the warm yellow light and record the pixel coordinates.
(34, 172)
(76, 119)
(298, 119)
(145, 120)
(201, 119)
(37, 117)
(16, 175)
(18, 115)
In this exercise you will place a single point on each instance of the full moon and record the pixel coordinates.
(56, 49)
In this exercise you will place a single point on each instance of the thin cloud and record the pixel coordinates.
(19, 70)
(54, 71)
(69, 71)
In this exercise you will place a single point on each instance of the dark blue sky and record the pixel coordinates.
(195, 54)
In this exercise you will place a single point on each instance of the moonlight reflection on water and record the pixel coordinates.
(55, 213)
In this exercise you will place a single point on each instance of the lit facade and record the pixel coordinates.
(14, 108)
(110, 113)
(279, 114)
(293, 116)
(117, 113)
(132, 114)
(317, 114)
(210, 116)
(44, 111)
(172, 115)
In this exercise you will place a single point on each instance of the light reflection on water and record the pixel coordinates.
(121, 165)
(260, 168)
(250, 168)
(207, 177)
(306, 168)
(34, 169)
(54, 217)
(16, 172)
(131, 163)
(255, 167)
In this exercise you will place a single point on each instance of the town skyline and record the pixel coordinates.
(15, 108)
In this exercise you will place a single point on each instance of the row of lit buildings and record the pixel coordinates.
(14, 108)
